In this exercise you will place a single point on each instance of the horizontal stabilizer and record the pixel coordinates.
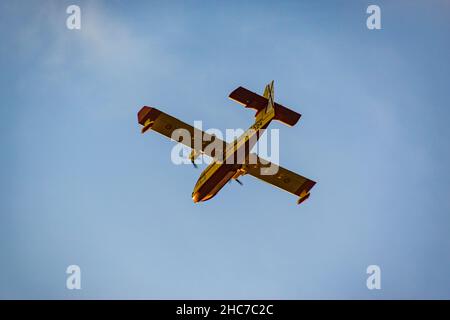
(254, 101)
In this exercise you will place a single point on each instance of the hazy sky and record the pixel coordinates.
(80, 184)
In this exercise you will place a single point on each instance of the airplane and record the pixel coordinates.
(220, 170)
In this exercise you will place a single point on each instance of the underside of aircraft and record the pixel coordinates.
(233, 159)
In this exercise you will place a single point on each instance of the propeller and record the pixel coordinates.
(194, 154)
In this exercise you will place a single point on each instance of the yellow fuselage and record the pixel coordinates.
(218, 173)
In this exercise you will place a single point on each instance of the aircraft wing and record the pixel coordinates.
(156, 120)
(282, 178)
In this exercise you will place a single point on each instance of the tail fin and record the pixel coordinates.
(269, 95)
(269, 108)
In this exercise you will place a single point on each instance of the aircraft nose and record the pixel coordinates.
(195, 197)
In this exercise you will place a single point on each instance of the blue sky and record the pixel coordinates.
(81, 185)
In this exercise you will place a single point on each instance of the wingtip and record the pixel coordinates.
(301, 199)
(144, 130)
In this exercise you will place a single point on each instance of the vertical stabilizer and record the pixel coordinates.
(269, 110)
